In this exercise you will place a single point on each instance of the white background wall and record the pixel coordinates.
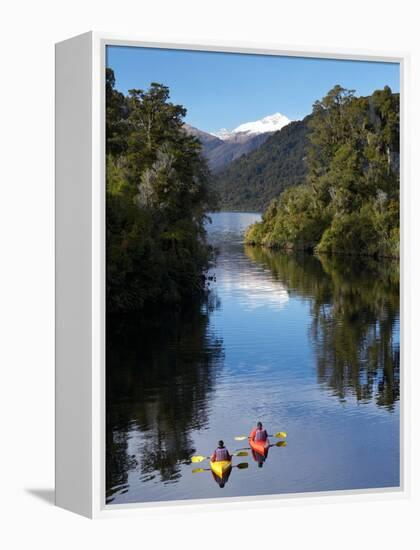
(28, 32)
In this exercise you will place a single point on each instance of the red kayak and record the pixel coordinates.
(260, 447)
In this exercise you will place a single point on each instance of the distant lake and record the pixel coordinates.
(306, 345)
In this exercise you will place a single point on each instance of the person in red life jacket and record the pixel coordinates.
(221, 453)
(258, 433)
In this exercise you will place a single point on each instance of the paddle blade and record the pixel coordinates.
(281, 444)
(241, 453)
(198, 458)
(240, 437)
(198, 470)
(242, 465)
(280, 434)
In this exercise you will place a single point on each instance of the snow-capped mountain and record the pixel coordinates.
(224, 146)
(268, 124)
(223, 133)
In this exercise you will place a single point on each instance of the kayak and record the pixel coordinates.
(221, 467)
(260, 447)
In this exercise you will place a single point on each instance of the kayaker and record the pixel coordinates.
(259, 433)
(221, 453)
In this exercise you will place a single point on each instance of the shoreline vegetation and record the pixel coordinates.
(349, 203)
(157, 197)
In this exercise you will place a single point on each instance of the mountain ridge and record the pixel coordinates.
(226, 146)
(220, 153)
(267, 124)
(251, 181)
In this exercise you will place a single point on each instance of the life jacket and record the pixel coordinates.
(221, 454)
(260, 435)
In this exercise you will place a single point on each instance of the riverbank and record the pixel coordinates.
(362, 235)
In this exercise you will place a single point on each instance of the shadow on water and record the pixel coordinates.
(161, 372)
(354, 319)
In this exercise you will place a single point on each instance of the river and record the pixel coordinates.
(306, 345)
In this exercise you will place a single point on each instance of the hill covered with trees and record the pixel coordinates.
(156, 200)
(250, 182)
(349, 202)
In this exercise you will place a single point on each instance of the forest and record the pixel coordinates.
(156, 202)
(349, 200)
(249, 183)
(331, 181)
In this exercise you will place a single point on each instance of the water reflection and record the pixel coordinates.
(309, 345)
(160, 374)
(238, 276)
(221, 481)
(259, 458)
(354, 309)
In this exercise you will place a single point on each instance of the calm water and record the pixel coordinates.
(307, 346)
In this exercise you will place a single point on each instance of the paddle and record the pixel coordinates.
(199, 458)
(243, 437)
(241, 466)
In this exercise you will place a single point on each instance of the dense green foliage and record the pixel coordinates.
(156, 199)
(349, 202)
(250, 182)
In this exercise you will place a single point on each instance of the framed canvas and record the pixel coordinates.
(229, 313)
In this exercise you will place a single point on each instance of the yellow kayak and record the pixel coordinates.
(221, 467)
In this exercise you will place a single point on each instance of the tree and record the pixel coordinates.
(350, 201)
(116, 115)
(156, 202)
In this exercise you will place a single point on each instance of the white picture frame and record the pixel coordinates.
(80, 273)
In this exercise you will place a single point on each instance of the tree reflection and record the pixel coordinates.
(160, 374)
(355, 319)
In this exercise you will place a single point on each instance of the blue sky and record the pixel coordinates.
(223, 90)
